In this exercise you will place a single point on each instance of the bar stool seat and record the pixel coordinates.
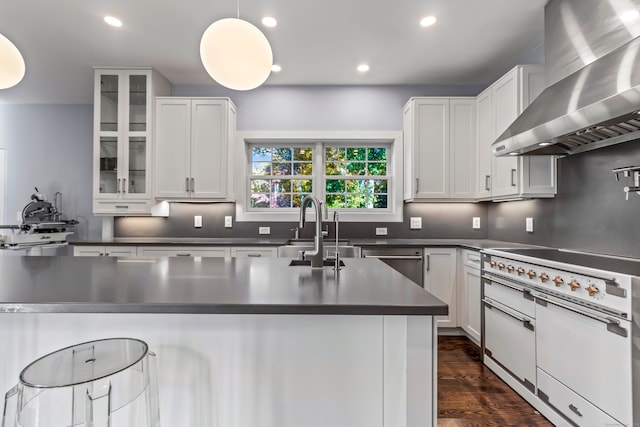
(102, 383)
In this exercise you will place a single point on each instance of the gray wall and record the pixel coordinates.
(49, 147)
(589, 212)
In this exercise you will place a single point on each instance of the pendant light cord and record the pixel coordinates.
(238, 5)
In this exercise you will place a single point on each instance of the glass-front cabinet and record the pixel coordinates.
(123, 112)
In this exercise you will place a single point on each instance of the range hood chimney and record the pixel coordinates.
(592, 66)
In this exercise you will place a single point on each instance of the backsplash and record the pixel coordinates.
(439, 221)
(589, 213)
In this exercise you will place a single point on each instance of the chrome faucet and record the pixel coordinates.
(317, 255)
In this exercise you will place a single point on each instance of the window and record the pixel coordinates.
(352, 175)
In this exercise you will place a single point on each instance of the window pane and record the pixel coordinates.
(377, 154)
(302, 169)
(356, 201)
(259, 186)
(355, 168)
(335, 201)
(356, 153)
(377, 169)
(355, 186)
(260, 154)
(335, 168)
(305, 153)
(260, 201)
(335, 154)
(261, 168)
(281, 154)
(281, 168)
(301, 186)
(281, 201)
(380, 201)
(335, 186)
(380, 186)
(281, 186)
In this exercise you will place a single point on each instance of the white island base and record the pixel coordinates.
(245, 370)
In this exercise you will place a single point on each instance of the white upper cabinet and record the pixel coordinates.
(123, 139)
(500, 178)
(439, 149)
(195, 137)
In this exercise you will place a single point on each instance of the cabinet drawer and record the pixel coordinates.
(570, 405)
(185, 251)
(254, 252)
(512, 296)
(471, 258)
(121, 207)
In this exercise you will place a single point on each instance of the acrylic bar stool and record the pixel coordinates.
(103, 383)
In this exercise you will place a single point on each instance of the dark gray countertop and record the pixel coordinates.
(207, 285)
(250, 241)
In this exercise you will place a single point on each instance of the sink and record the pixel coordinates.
(293, 248)
(305, 262)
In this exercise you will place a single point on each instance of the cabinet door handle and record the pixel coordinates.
(487, 182)
(187, 184)
(119, 185)
(122, 206)
(183, 254)
(254, 255)
(427, 261)
(124, 185)
(417, 181)
(193, 185)
(513, 177)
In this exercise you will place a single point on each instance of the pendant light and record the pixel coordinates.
(12, 66)
(236, 54)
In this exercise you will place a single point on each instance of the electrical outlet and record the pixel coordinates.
(381, 231)
(476, 222)
(529, 225)
(228, 221)
(264, 230)
(197, 221)
(415, 223)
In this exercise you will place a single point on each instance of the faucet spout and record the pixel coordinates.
(315, 256)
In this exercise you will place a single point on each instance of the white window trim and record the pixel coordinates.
(393, 214)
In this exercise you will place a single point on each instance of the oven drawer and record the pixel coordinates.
(509, 339)
(586, 352)
(570, 405)
(511, 295)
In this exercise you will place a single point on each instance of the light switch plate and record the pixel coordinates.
(197, 221)
(264, 230)
(228, 221)
(476, 222)
(381, 231)
(529, 225)
(415, 223)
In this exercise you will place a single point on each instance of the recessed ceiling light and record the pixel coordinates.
(269, 21)
(513, 154)
(428, 21)
(363, 68)
(630, 15)
(113, 21)
(276, 68)
(544, 144)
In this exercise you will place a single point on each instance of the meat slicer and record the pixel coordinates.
(42, 225)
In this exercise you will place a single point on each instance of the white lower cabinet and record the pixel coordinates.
(469, 291)
(254, 252)
(104, 251)
(440, 280)
(173, 251)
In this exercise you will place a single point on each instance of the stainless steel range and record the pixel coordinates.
(562, 328)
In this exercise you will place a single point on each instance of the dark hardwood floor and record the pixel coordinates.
(470, 394)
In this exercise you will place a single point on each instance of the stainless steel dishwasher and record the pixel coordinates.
(408, 261)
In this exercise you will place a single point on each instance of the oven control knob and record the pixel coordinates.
(510, 268)
(558, 281)
(531, 274)
(492, 264)
(500, 265)
(574, 285)
(592, 290)
(544, 277)
(520, 271)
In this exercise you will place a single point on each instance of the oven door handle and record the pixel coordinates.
(526, 293)
(525, 322)
(398, 257)
(613, 325)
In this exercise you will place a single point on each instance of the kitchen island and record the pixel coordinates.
(240, 342)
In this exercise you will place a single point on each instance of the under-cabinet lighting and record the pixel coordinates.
(544, 144)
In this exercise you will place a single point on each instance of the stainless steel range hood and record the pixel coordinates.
(592, 55)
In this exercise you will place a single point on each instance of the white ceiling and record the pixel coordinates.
(317, 42)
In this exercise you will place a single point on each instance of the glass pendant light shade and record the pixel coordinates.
(11, 64)
(236, 54)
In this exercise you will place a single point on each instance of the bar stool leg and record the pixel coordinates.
(10, 411)
(153, 406)
(99, 404)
